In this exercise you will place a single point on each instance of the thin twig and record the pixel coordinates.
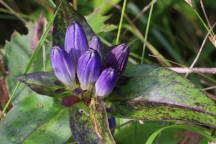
(209, 88)
(213, 97)
(213, 37)
(122, 124)
(170, 61)
(183, 66)
(193, 70)
(200, 50)
(13, 12)
(204, 12)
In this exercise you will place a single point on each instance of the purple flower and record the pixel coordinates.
(106, 82)
(63, 67)
(75, 40)
(95, 44)
(88, 68)
(86, 61)
(117, 58)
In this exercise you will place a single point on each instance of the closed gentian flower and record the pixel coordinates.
(75, 40)
(79, 59)
(95, 43)
(62, 66)
(106, 82)
(117, 58)
(88, 68)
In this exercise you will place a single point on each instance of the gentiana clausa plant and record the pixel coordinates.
(83, 80)
(79, 64)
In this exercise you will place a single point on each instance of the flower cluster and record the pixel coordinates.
(82, 61)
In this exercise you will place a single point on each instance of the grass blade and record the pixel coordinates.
(121, 20)
(146, 33)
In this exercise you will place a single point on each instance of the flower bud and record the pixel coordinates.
(95, 44)
(117, 58)
(88, 68)
(75, 40)
(62, 66)
(106, 82)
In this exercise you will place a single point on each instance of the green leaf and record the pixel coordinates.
(153, 93)
(89, 124)
(97, 22)
(44, 83)
(18, 52)
(36, 119)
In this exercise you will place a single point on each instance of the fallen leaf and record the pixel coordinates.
(189, 137)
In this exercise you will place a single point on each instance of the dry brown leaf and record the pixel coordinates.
(4, 94)
(37, 30)
(189, 137)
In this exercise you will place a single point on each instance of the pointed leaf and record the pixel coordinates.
(36, 120)
(154, 93)
(89, 124)
(44, 83)
(18, 51)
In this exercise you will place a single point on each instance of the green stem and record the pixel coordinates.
(207, 28)
(21, 14)
(146, 33)
(75, 4)
(121, 20)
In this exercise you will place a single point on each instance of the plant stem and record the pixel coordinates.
(146, 33)
(204, 24)
(75, 4)
(121, 20)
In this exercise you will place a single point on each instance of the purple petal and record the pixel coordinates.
(62, 66)
(88, 68)
(95, 44)
(75, 40)
(106, 82)
(117, 58)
